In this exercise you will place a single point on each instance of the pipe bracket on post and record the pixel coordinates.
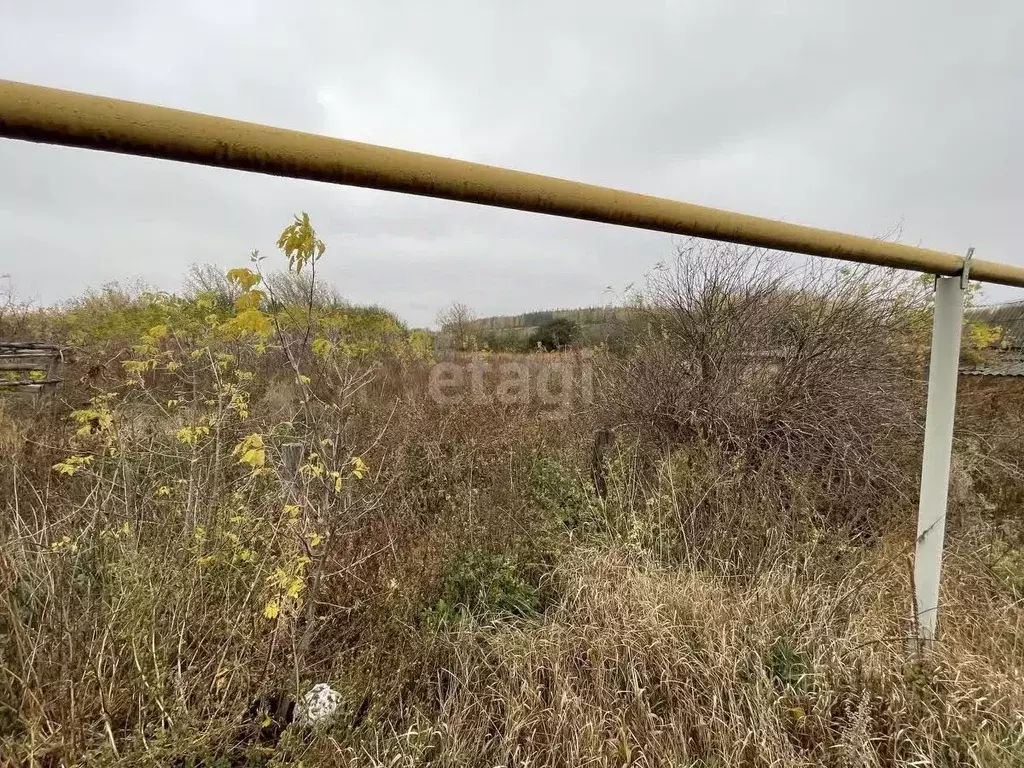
(965, 273)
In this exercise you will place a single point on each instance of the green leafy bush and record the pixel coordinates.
(484, 586)
(556, 334)
(561, 492)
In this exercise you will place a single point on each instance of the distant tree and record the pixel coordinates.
(555, 334)
(456, 324)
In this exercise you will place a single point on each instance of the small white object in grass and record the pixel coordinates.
(319, 706)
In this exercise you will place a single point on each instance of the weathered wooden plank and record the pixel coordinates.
(25, 390)
(33, 361)
(23, 346)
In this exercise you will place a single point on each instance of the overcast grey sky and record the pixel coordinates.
(847, 114)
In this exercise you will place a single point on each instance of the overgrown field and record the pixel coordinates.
(691, 547)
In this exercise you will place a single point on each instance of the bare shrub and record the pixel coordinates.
(812, 372)
(305, 289)
(210, 280)
(289, 289)
(16, 312)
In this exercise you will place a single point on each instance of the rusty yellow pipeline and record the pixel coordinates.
(48, 115)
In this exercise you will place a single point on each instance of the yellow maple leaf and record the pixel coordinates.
(295, 587)
(359, 468)
(251, 451)
(322, 347)
(252, 321)
(245, 278)
(271, 610)
(249, 300)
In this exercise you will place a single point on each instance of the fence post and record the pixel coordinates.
(938, 448)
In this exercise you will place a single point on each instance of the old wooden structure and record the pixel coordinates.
(30, 370)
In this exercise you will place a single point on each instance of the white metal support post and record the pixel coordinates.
(938, 448)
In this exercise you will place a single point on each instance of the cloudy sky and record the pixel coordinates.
(848, 114)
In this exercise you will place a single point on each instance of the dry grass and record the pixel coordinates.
(644, 665)
(473, 599)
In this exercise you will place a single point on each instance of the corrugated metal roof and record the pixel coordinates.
(997, 369)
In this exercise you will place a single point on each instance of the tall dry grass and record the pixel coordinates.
(724, 601)
(641, 664)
